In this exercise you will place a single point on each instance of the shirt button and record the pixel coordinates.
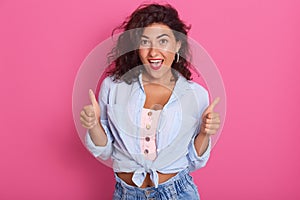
(146, 151)
(148, 126)
(147, 139)
(149, 113)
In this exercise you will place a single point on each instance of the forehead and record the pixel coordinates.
(156, 29)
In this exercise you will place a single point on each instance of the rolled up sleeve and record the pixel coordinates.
(196, 161)
(103, 152)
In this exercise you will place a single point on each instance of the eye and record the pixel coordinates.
(163, 42)
(145, 43)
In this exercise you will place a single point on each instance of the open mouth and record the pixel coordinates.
(156, 64)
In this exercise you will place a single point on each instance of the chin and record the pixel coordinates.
(160, 74)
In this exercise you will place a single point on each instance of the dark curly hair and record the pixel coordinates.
(127, 65)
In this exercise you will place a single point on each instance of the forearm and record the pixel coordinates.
(201, 143)
(98, 135)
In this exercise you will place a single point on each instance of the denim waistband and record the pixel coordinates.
(166, 190)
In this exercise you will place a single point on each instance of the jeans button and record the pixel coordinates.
(147, 192)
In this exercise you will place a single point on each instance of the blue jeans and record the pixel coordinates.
(179, 187)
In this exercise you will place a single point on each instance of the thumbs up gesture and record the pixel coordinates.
(210, 119)
(90, 114)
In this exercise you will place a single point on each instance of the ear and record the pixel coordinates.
(178, 45)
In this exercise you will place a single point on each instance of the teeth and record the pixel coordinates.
(155, 62)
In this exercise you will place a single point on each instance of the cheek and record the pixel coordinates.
(169, 52)
(170, 56)
(171, 47)
(142, 54)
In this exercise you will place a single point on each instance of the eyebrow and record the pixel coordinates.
(162, 35)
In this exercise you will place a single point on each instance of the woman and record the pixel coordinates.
(151, 119)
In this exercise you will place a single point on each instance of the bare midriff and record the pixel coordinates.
(127, 178)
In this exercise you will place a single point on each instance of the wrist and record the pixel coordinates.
(95, 128)
(203, 133)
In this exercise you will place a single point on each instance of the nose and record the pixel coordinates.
(153, 51)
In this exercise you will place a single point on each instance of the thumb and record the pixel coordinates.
(211, 107)
(93, 99)
(94, 103)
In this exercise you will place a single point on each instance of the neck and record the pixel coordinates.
(168, 80)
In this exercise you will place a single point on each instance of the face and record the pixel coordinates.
(157, 50)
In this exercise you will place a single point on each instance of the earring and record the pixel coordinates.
(177, 57)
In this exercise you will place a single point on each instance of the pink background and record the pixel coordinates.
(255, 44)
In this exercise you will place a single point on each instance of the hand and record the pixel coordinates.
(210, 119)
(90, 114)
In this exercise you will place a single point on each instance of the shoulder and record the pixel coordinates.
(109, 83)
(106, 85)
(118, 91)
(192, 86)
(197, 88)
(200, 94)
(109, 80)
(194, 98)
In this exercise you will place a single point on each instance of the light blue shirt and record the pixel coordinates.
(179, 123)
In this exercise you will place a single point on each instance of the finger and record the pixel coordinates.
(212, 126)
(211, 107)
(88, 113)
(212, 115)
(210, 131)
(87, 121)
(89, 110)
(84, 123)
(86, 118)
(93, 98)
(87, 124)
(211, 121)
